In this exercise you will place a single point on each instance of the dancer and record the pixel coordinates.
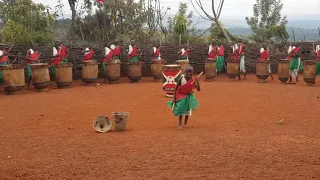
(183, 99)
(59, 55)
(295, 64)
(317, 55)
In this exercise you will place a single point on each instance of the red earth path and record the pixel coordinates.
(234, 134)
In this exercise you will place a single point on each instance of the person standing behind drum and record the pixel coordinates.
(116, 50)
(241, 54)
(317, 56)
(220, 59)
(64, 52)
(59, 55)
(184, 102)
(88, 54)
(156, 53)
(133, 52)
(108, 56)
(3, 60)
(32, 58)
(213, 50)
(264, 54)
(185, 53)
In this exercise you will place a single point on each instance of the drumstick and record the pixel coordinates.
(191, 83)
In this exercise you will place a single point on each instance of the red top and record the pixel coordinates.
(4, 58)
(240, 50)
(185, 53)
(88, 56)
(156, 54)
(33, 57)
(318, 56)
(134, 52)
(116, 51)
(213, 53)
(264, 54)
(109, 57)
(56, 60)
(184, 90)
(221, 51)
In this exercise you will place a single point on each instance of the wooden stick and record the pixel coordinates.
(191, 83)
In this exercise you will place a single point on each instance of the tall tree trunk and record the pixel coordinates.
(223, 31)
(180, 39)
(73, 25)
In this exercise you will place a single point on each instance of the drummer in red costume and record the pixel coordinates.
(241, 54)
(88, 54)
(265, 54)
(133, 52)
(3, 59)
(185, 53)
(213, 50)
(60, 54)
(233, 55)
(317, 55)
(32, 58)
(156, 53)
(116, 49)
(108, 56)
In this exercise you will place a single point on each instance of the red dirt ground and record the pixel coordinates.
(234, 134)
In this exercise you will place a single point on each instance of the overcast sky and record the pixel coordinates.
(235, 9)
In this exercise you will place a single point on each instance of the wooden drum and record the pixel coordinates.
(64, 75)
(233, 68)
(210, 69)
(309, 72)
(156, 69)
(134, 71)
(40, 76)
(283, 70)
(89, 72)
(13, 78)
(171, 75)
(113, 71)
(184, 64)
(262, 70)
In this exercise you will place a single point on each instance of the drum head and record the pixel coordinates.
(39, 64)
(183, 61)
(172, 66)
(102, 124)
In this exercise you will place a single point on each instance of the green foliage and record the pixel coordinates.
(267, 22)
(14, 32)
(217, 34)
(26, 17)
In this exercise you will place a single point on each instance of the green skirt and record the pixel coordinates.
(295, 64)
(182, 106)
(134, 59)
(185, 57)
(318, 68)
(220, 63)
(1, 77)
(116, 57)
(53, 68)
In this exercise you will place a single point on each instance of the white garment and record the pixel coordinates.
(210, 48)
(317, 49)
(130, 49)
(294, 73)
(154, 51)
(31, 51)
(182, 52)
(107, 51)
(112, 47)
(261, 50)
(86, 51)
(183, 82)
(1, 53)
(55, 51)
(242, 61)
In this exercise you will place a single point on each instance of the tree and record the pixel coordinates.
(181, 23)
(217, 34)
(216, 14)
(267, 22)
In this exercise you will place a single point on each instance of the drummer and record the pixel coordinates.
(232, 51)
(317, 55)
(185, 53)
(265, 54)
(213, 50)
(156, 53)
(295, 64)
(220, 59)
(116, 50)
(133, 52)
(108, 56)
(3, 60)
(241, 54)
(32, 58)
(88, 54)
(60, 54)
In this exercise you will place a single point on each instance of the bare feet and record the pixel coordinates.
(180, 128)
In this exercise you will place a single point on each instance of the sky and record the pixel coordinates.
(233, 9)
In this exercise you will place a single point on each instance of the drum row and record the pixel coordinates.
(262, 70)
(14, 74)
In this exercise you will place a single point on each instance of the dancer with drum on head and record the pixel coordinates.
(184, 102)
(32, 58)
